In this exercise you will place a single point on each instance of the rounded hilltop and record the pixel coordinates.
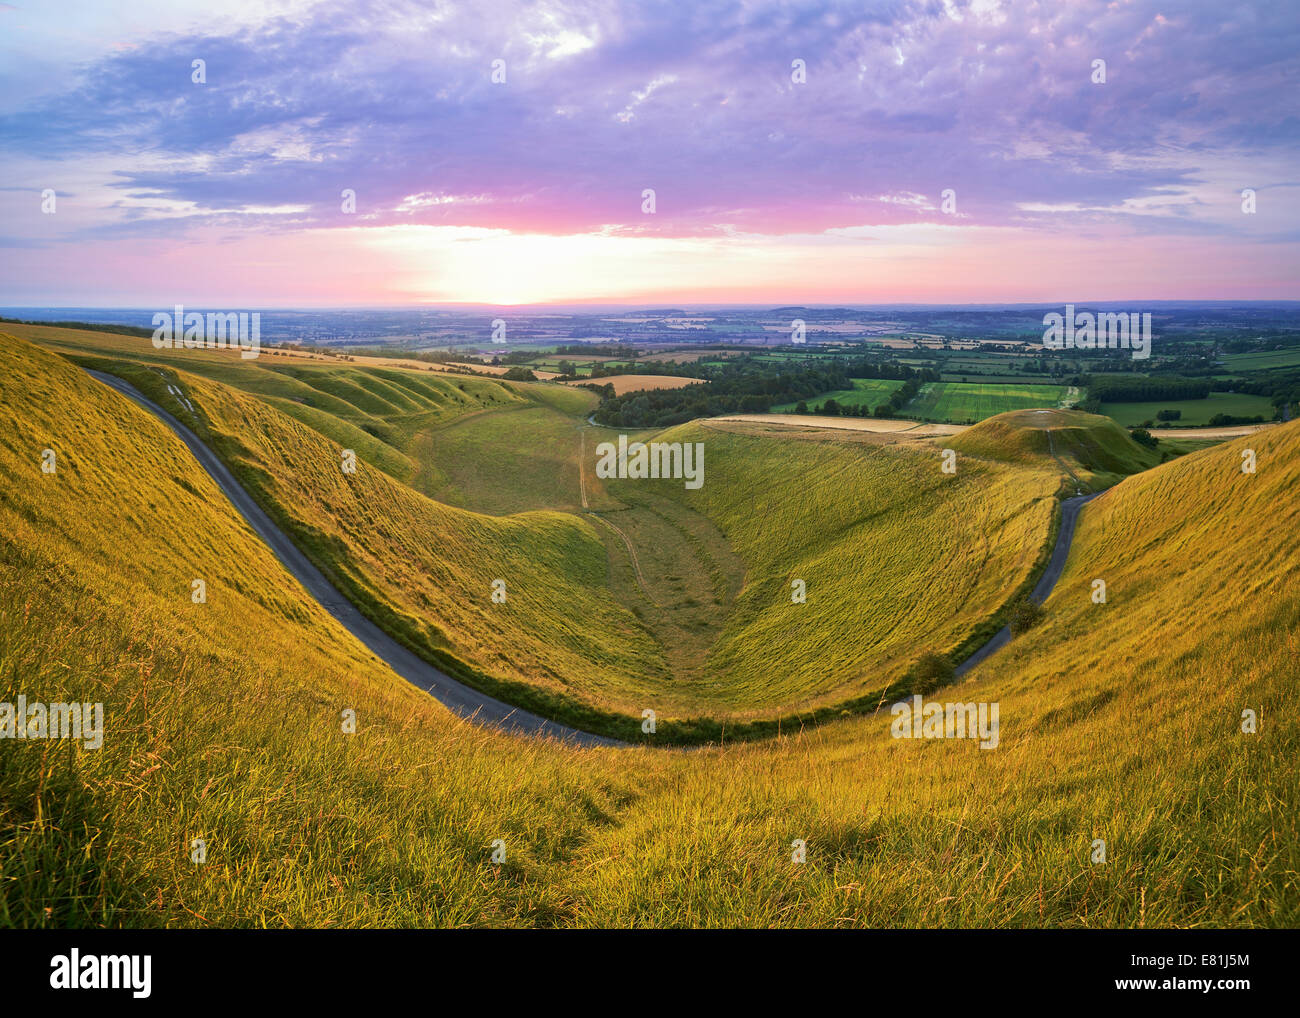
(1091, 448)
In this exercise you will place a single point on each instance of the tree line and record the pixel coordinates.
(748, 385)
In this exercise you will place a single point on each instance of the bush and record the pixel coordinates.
(930, 672)
(1025, 614)
(1231, 420)
(1143, 437)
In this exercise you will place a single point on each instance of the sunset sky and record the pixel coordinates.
(767, 190)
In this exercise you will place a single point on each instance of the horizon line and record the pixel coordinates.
(451, 305)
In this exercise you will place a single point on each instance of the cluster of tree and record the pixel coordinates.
(892, 407)
(1280, 385)
(735, 388)
(899, 398)
(834, 408)
(620, 351)
(514, 357)
(666, 407)
(866, 368)
(1232, 420)
(1141, 389)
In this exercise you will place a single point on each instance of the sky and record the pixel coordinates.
(668, 152)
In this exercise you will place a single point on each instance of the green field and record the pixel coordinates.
(958, 403)
(868, 392)
(1195, 412)
(1264, 359)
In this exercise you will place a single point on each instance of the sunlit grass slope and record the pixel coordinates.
(896, 556)
(223, 719)
(1094, 450)
(558, 643)
(1119, 722)
(896, 553)
(899, 558)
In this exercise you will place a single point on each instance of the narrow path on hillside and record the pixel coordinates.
(461, 699)
(1055, 566)
(1051, 447)
(582, 458)
(631, 554)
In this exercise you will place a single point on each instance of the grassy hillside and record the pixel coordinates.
(670, 599)
(422, 568)
(223, 718)
(685, 606)
(1094, 451)
(424, 571)
(895, 555)
(1119, 722)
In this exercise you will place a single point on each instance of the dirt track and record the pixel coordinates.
(875, 425)
(914, 429)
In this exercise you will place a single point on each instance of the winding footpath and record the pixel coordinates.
(1055, 566)
(463, 700)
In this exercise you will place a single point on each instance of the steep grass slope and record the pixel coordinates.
(895, 555)
(558, 643)
(1120, 723)
(223, 718)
